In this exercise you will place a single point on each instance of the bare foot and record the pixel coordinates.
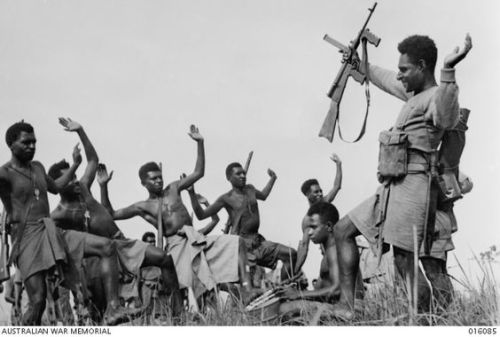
(343, 311)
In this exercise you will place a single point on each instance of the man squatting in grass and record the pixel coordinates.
(39, 247)
(202, 262)
(401, 202)
(328, 273)
(241, 204)
(79, 211)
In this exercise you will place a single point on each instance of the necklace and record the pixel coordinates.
(36, 190)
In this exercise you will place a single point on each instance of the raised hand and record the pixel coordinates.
(77, 155)
(272, 174)
(335, 158)
(69, 124)
(458, 54)
(194, 133)
(102, 174)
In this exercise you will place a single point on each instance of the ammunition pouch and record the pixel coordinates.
(393, 154)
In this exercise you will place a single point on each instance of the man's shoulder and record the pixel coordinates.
(172, 187)
(37, 164)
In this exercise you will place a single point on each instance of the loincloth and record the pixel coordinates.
(202, 262)
(131, 254)
(406, 207)
(44, 246)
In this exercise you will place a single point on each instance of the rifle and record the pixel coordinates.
(159, 221)
(249, 159)
(349, 68)
(4, 248)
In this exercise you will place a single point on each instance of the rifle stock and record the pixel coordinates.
(4, 249)
(159, 239)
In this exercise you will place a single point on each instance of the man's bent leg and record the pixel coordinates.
(243, 266)
(106, 250)
(37, 295)
(348, 258)
(435, 270)
(288, 257)
(404, 263)
(156, 257)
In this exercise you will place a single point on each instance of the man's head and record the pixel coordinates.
(151, 177)
(73, 188)
(323, 216)
(313, 192)
(20, 138)
(417, 62)
(149, 237)
(236, 175)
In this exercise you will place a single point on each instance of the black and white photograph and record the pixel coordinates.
(237, 163)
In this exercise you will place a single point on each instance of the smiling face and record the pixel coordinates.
(315, 194)
(238, 177)
(23, 148)
(411, 74)
(153, 182)
(318, 229)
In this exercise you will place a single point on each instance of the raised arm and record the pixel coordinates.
(199, 169)
(262, 195)
(90, 152)
(445, 113)
(210, 210)
(337, 184)
(54, 186)
(103, 179)
(203, 201)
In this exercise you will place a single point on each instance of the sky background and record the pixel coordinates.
(253, 75)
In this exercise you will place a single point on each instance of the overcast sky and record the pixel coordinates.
(253, 75)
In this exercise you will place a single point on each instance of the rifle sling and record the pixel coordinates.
(367, 94)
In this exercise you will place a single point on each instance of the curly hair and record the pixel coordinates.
(420, 47)
(15, 130)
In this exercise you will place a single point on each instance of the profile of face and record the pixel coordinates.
(73, 188)
(238, 177)
(315, 194)
(318, 230)
(153, 182)
(411, 74)
(23, 148)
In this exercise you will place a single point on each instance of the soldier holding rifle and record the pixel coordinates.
(403, 204)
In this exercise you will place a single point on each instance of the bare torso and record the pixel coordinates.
(24, 192)
(85, 214)
(174, 214)
(243, 210)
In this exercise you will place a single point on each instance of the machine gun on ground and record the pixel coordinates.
(349, 68)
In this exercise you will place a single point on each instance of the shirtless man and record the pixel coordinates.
(314, 194)
(38, 246)
(223, 258)
(322, 218)
(241, 204)
(78, 210)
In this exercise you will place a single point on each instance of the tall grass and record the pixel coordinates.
(385, 304)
